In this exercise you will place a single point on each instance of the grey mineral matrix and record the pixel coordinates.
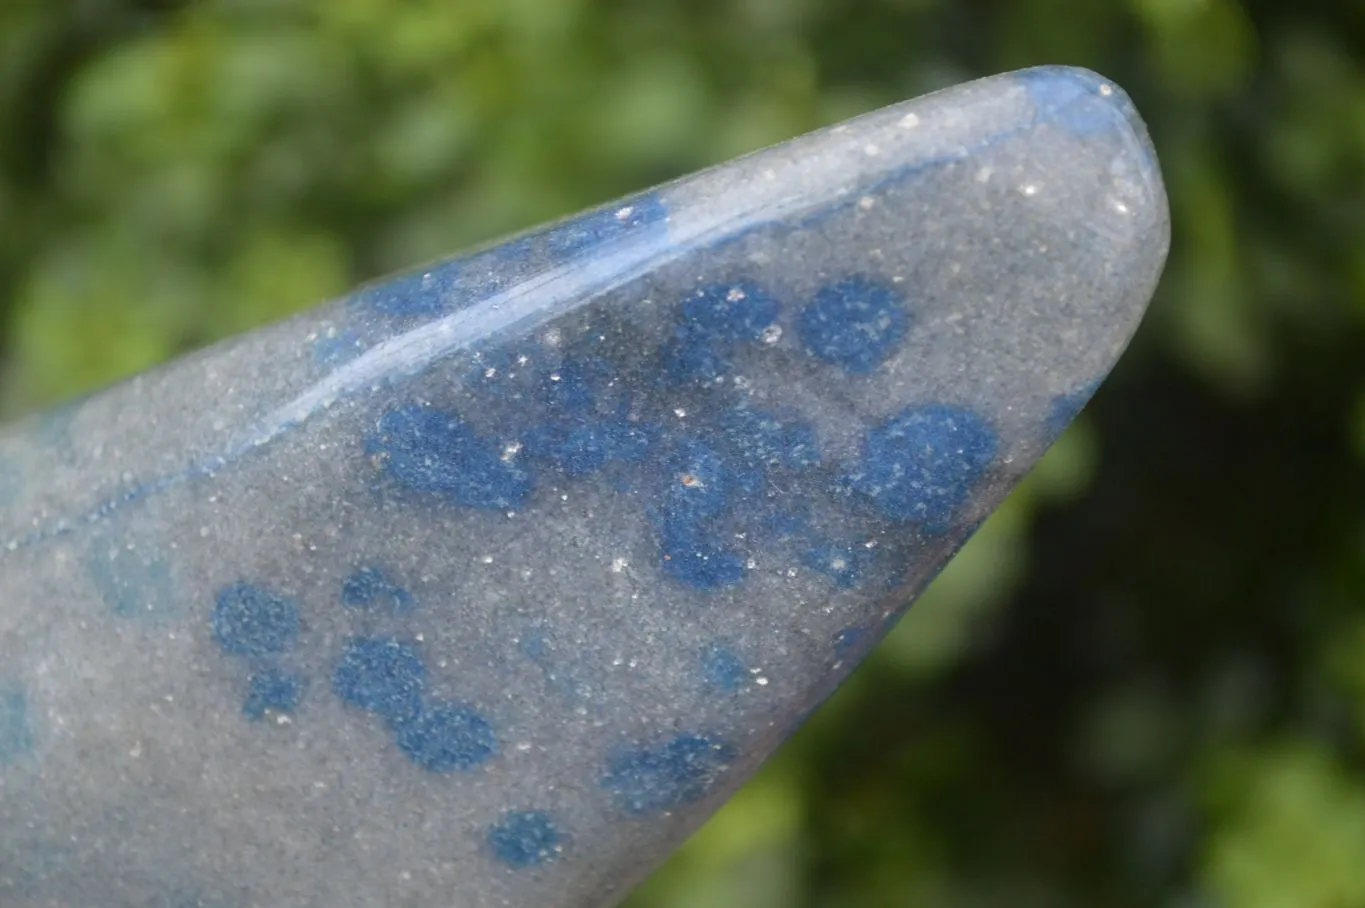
(485, 585)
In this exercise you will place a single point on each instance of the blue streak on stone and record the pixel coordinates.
(272, 690)
(845, 564)
(336, 348)
(711, 323)
(524, 838)
(368, 586)
(429, 450)
(648, 780)
(443, 737)
(854, 323)
(604, 225)
(16, 734)
(130, 583)
(920, 465)
(1066, 407)
(381, 674)
(248, 621)
(847, 639)
(763, 438)
(416, 294)
(1071, 99)
(723, 669)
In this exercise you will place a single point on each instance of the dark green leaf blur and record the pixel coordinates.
(1143, 683)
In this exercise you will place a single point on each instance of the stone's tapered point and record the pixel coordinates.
(486, 584)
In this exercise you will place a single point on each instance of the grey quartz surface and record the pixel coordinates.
(486, 584)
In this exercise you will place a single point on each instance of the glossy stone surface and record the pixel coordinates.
(485, 585)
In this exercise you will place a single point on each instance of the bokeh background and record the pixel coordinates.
(1143, 683)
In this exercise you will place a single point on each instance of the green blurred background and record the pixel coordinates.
(1142, 684)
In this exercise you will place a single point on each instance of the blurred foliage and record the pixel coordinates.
(1142, 684)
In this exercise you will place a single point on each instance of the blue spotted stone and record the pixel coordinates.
(651, 779)
(249, 621)
(855, 323)
(443, 737)
(624, 459)
(921, 465)
(524, 838)
(381, 674)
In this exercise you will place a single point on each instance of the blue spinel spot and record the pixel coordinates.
(854, 323)
(847, 639)
(16, 735)
(1074, 100)
(370, 586)
(920, 465)
(765, 440)
(443, 737)
(648, 780)
(272, 690)
(841, 563)
(382, 675)
(429, 450)
(524, 838)
(248, 621)
(711, 323)
(722, 669)
(1066, 407)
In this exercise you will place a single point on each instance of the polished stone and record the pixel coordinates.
(485, 585)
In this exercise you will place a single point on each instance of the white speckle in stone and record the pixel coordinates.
(508, 452)
(1106, 89)
(866, 203)
(909, 121)
(735, 294)
(761, 681)
(486, 559)
(623, 213)
(984, 174)
(523, 359)
(523, 746)
(490, 372)
(791, 572)
(771, 334)
(751, 564)
(1029, 189)
(871, 150)
(1120, 207)
(555, 376)
(680, 413)
(618, 565)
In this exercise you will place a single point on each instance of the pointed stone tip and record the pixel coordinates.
(1086, 104)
